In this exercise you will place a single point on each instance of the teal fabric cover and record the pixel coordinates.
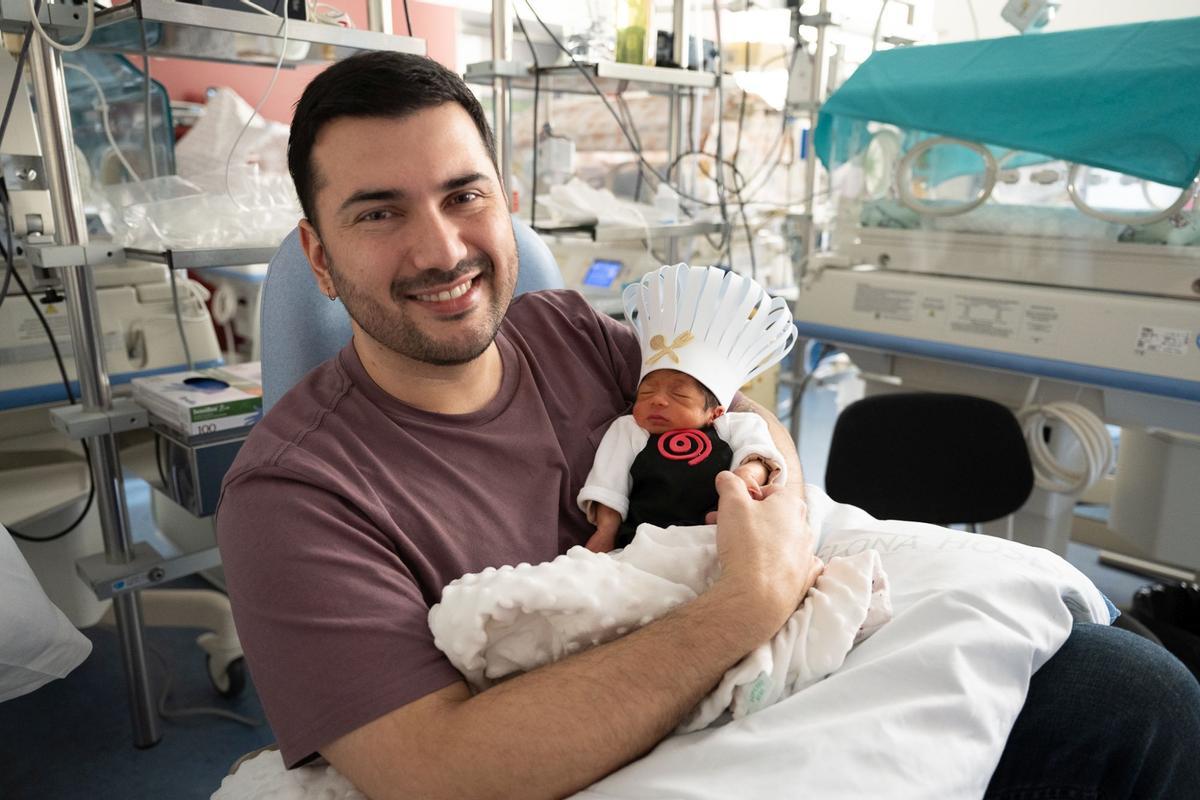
(1124, 98)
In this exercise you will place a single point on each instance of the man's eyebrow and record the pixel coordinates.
(461, 180)
(373, 195)
(369, 196)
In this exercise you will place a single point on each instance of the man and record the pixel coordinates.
(451, 434)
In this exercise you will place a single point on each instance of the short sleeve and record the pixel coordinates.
(333, 623)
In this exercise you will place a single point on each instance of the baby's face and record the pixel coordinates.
(668, 400)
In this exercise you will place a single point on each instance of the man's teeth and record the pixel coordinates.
(450, 294)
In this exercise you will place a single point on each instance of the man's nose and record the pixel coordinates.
(437, 243)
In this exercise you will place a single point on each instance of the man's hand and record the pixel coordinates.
(608, 520)
(765, 550)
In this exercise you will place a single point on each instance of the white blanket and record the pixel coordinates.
(514, 619)
(921, 709)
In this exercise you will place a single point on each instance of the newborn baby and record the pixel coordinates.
(659, 464)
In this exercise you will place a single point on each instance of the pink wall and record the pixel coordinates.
(188, 80)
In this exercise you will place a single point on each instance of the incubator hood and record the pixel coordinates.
(1121, 98)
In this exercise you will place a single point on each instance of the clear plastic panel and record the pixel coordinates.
(914, 180)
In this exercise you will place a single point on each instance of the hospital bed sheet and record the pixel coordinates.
(921, 709)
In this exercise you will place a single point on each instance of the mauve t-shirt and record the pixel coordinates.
(347, 511)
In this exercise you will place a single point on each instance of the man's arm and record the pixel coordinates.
(781, 438)
(560, 728)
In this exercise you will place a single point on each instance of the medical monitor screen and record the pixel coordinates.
(602, 273)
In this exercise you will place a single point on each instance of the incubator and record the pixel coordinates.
(1017, 218)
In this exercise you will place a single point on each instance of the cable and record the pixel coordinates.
(328, 15)
(883, 4)
(408, 20)
(62, 370)
(1051, 474)
(257, 108)
(187, 352)
(537, 91)
(718, 64)
(624, 108)
(583, 71)
(88, 28)
(10, 273)
(103, 107)
(147, 122)
(975, 27)
(197, 711)
(737, 141)
(10, 269)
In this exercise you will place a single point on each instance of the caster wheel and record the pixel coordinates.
(230, 682)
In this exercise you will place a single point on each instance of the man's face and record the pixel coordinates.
(415, 235)
(669, 400)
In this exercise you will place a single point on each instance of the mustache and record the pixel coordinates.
(440, 277)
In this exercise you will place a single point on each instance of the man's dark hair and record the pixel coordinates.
(372, 84)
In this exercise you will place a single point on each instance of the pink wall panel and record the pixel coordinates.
(188, 80)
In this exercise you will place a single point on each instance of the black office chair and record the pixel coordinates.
(925, 457)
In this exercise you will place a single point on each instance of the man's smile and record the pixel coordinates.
(457, 290)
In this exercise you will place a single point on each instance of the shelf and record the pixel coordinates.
(184, 30)
(204, 259)
(609, 76)
(630, 233)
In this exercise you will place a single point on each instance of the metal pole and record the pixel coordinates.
(379, 16)
(676, 122)
(817, 94)
(502, 41)
(679, 46)
(58, 155)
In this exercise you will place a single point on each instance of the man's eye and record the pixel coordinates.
(465, 197)
(376, 215)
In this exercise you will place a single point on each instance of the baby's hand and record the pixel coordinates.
(602, 541)
(608, 520)
(754, 474)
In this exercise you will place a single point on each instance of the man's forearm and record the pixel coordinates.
(555, 730)
(779, 435)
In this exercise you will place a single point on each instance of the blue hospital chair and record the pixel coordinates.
(300, 328)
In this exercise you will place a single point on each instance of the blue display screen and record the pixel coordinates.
(602, 273)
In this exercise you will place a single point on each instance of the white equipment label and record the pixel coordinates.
(884, 303)
(1170, 341)
(985, 316)
(1041, 323)
(934, 307)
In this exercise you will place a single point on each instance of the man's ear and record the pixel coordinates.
(318, 259)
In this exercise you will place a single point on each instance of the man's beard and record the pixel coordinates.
(389, 326)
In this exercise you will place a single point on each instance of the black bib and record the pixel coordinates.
(674, 478)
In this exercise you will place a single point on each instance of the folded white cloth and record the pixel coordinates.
(503, 621)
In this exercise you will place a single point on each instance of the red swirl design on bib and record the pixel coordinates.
(685, 444)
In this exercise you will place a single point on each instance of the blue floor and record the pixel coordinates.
(73, 738)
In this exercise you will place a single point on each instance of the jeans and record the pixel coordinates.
(1111, 715)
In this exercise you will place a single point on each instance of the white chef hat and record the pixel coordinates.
(721, 328)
